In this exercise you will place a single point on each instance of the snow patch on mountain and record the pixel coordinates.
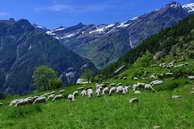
(189, 7)
(123, 24)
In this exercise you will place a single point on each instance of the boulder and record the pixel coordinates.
(156, 127)
(135, 78)
(191, 77)
(176, 97)
(157, 82)
(159, 55)
(134, 100)
(137, 92)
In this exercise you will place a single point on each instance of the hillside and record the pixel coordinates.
(110, 112)
(104, 44)
(175, 43)
(23, 48)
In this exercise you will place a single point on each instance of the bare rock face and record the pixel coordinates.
(159, 55)
(134, 100)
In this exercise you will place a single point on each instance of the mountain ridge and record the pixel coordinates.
(92, 40)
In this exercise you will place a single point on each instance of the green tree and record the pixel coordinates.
(145, 60)
(55, 83)
(45, 78)
(87, 74)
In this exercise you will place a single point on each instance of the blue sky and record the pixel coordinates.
(54, 13)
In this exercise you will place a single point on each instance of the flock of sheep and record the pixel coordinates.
(99, 90)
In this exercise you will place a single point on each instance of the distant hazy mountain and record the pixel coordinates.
(104, 44)
(23, 47)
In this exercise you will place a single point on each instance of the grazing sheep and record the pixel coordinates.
(138, 85)
(125, 89)
(50, 97)
(83, 93)
(99, 86)
(98, 91)
(112, 90)
(134, 100)
(71, 97)
(119, 89)
(149, 86)
(76, 93)
(40, 99)
(89, 92)
(105, 91)
(57, 97)
(14, 102)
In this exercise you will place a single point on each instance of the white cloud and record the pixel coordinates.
(75, 8)
(4, 14)
(55, 8)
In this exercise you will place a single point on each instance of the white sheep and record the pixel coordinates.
(98, 91)
(112, 90)
(99, 86)
(119, 89)
(50, 97)
(105, 91)
(57, 97)
(125, 89)
(149, 86)
(89, 92)
(76, 93)
(71, 97)
(83, 93)
(40, 99)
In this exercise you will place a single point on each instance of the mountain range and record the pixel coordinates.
(104, 44)
(23, 48)
(69, 50)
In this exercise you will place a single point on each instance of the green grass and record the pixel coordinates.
(108, 112)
